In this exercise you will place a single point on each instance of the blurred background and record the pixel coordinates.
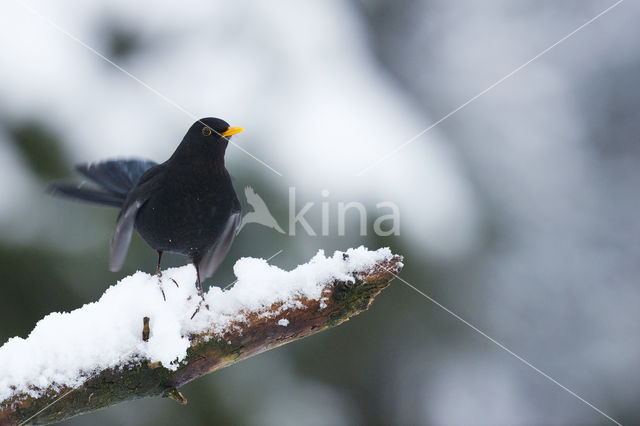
(519, 212)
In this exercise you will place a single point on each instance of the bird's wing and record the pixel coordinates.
(215, 255)
(122, 234)
(121, 237)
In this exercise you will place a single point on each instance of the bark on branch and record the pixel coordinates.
(207, 353)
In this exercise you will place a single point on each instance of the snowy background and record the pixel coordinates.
(520, 212)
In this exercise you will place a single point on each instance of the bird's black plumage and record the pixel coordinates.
(186, 205)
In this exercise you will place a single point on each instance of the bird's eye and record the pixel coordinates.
(206, 131)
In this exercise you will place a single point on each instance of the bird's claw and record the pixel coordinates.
(200, 306)
(159, 275)
(162, 291)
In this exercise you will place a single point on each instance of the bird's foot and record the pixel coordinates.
(200, 306)
(161, 290)
(194, 314)
(158, 274)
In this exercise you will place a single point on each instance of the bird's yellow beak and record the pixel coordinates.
(232, 131)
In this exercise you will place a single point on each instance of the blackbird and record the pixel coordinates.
(186, 205)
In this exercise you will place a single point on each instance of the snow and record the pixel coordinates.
(64, 349)
(283, 322)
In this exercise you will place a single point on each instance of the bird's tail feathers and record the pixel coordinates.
(113, 178)
(83, 193)
(117, 176)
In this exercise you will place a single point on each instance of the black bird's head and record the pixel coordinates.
(213, 130)
(207, 137)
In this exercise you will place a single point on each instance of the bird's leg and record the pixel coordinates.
(159, 275)
(200, 292)
(158, 270)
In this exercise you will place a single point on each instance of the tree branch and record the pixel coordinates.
(207, 353)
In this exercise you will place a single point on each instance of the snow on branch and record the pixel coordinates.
(132, 343)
